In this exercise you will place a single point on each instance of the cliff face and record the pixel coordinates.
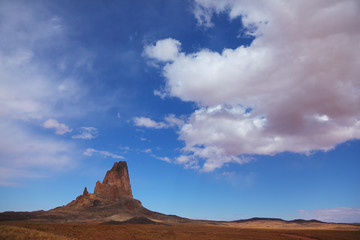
(115, 189)
(116, 183)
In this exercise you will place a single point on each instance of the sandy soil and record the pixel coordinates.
(292, 225)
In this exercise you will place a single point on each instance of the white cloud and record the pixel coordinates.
(33, 90)
(87, 133)
(165, 159)
(169, 121)
(337, 215)
(27, 87)
(322, 118)
(24, 154)
(174, 121)
(125, 149)
(33, 87)
(148, 150)
(147, 122)
(60, 128)
(295, 88)
(9, 176)
(164, 50)
(90, 152)
(160, 94)
(188, 161)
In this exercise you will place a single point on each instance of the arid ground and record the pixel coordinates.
(59, 231)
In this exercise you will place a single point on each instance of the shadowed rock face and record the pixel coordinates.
(116, 183)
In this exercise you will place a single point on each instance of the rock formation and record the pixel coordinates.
(116, 183)
(112, 200)
(114, 188)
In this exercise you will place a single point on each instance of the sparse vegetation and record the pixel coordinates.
(22, 233)
(88, 231)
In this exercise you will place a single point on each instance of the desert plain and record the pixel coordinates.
(267, 229)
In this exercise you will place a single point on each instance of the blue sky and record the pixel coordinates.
(222, 109)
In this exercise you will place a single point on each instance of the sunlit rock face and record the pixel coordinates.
(114, 189)
(116, 183)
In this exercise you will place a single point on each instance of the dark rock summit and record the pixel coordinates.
(85, 193)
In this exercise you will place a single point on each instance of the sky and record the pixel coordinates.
(223, 110)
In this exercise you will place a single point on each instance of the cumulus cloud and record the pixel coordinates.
(295, 88)
(164, 50)
(90, 152)
(86, 133)
(337, 215)
(60, 128)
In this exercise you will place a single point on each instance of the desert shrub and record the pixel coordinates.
(20, 233)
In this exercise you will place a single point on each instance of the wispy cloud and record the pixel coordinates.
(87, 133)
(169, 121)
(21, 148)
(60, 128)
(90, 152)
(10, 176)
(150, 152)
(125, 149)
(33, 90)
(165, 159)
(338, 215)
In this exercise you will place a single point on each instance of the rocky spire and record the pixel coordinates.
(116, 183)
(85, 193)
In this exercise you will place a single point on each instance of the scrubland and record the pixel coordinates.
(88, 231)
